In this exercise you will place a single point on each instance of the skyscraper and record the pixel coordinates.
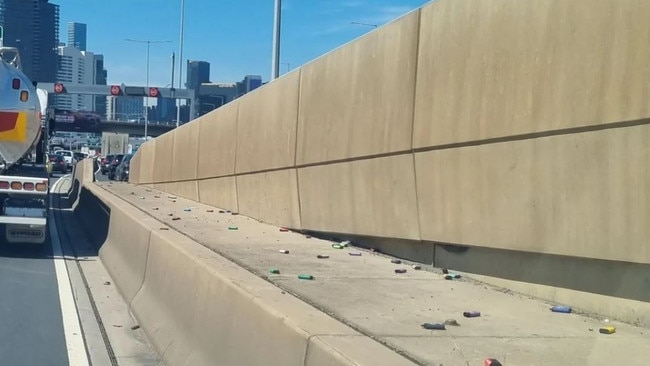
(48, 41)
(124, 108)
(251, 82)
(76, 67)
(77, 35)
(32, 26)
(165, 109)
(198, 72)
(101, 76)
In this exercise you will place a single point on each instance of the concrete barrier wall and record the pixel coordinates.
(266, 126)
(184, 165)
(218, 142)
(164, 157)
(506, 124)
(198, 308)
(501, 68)
(144, 163)
(358, 99)
(134, 175)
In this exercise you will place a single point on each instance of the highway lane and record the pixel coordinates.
(101, 178)
(47, 313)
(31, 321)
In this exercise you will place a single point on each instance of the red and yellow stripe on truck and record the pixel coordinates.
(13, 126)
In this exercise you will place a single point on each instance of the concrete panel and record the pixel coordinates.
(581, 195)
(266, 129)
(164, 156)
(187, 189)
(82, 174)
(147, 162)
(186, 150)
(84, 171)
(271, 197)
(358, 99)
(195, 315)
(219, 192)
(496, 68)
(218, 142)
(374, 197)
(124, 254)
(78, 171)
(134, 168)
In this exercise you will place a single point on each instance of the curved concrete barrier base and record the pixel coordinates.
(199, 308)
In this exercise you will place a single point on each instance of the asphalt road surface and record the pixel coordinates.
(31, 321)
(101, 178)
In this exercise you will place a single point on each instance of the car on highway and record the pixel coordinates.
(113, 166)
(58, 163)
(106, 163)
(78, 156)
(68, 156)
(122, 170)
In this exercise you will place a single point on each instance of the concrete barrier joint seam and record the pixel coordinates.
(146, 263)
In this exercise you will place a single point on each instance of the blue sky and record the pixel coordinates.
(235, 36)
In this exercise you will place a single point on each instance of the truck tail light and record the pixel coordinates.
(27, 186)
(41, 187)
(24, 95)
(15, 84)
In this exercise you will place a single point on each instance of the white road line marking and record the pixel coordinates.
(74, 340)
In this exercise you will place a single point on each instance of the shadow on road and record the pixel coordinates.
(82, 220)
(20, 250)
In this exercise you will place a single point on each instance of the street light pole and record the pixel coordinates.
(180, 64)
(275, 62)
(173, 68)
(146, 98)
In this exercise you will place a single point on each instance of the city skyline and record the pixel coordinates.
(236, 42)
(246, 45)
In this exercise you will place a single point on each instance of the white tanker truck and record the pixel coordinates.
(24, 178)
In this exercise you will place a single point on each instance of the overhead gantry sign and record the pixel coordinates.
(117, 90)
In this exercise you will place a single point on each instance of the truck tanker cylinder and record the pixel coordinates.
(20, 110)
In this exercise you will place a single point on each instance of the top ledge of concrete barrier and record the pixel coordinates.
(182, 276)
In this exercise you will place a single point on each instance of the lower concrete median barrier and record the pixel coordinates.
(125, 250)
(198, 308)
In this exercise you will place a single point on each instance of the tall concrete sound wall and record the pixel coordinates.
(508, 124)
